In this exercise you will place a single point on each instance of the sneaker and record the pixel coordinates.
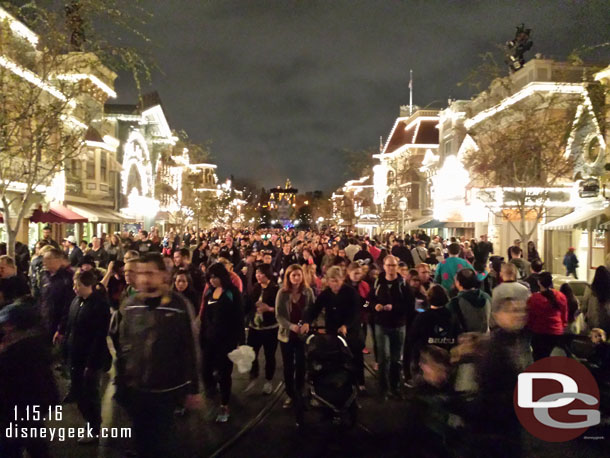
(365, 351)
(223, 416)
(251, 385)
(267, 388)
(287, 403)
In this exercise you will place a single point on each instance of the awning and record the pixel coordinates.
(57, 214)
(577, 219)
(433, 224)
(98, 214)
(416, 223)
(459, 224)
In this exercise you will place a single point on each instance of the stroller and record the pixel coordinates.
(331, 377)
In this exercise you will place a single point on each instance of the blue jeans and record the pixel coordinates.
(390, 343)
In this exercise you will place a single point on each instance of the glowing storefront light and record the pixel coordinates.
(57, 189)
(449, 194)
(380, 183)
(141, 205)
(136, 155)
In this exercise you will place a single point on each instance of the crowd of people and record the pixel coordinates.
(438, 316)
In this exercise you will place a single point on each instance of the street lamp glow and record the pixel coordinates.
(320, 219)
(273, 221)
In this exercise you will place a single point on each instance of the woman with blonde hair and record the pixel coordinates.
(290, 304)
(341, 304)
(312, 280)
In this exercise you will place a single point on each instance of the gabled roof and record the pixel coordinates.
(412, 131)
(93, 135)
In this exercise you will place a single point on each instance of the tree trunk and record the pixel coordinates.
(11, 235)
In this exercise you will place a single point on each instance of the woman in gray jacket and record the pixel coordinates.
(290, 304)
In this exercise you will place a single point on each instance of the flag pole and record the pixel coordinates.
(410, 92)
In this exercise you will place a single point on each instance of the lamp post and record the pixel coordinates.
(402, 204)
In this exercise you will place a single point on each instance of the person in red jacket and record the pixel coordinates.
(547, 317)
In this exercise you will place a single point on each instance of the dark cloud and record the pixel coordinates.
(282, 87)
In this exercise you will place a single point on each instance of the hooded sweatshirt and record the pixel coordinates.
(472, 309)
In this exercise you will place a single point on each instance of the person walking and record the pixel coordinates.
(510, 287)
(448, 268)
(570, 261)
(262, 326)
(156, 359)
(471, 307)
(596, 301)
(394, 307)
(222, 330)
(56, 292)
(341, 306)
(291, 302)
(547, 317)
(88, 355)
(419, 253)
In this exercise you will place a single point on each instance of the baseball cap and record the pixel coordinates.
(71, 239)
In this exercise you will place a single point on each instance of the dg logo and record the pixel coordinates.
(557, 399)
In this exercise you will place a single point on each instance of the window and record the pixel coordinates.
(104, 166)
(91, 167)
(593, 150)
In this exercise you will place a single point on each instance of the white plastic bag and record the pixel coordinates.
(242, 356)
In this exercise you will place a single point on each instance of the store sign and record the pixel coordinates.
(588, 188)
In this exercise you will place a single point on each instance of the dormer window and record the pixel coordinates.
(592, 150)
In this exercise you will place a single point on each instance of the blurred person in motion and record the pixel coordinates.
(149, 384)
(26, 379)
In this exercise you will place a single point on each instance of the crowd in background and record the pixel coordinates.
(439, 316)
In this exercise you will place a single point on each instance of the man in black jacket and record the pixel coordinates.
(86, 331)
(56, 291)
(403, 253)
(394, 308)
(150, 384)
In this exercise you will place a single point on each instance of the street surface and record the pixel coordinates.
(381, 430)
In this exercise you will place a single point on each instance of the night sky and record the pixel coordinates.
(280, 88)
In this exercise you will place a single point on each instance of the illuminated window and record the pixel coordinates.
(91, 167)
(104, 166)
